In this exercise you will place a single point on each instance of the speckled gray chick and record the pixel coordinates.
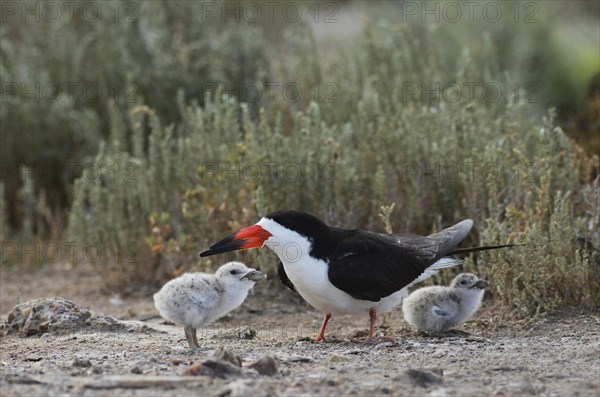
(194, 299)
(437, 309)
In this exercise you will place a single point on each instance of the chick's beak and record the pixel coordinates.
(481, 284)
(254, 275)
(249, 237)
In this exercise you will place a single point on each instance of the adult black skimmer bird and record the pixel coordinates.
(347, 271)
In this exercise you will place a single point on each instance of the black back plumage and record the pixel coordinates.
(371, 266)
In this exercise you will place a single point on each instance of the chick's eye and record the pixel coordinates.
(234, 272)
(463, 282)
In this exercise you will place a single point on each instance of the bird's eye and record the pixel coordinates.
(234, 272)
(463, 282)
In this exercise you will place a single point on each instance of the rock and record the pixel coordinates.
(226, 355)
(214, 368)
(55, 315)
(267, 365)
(221, 364)
(424, 377)
(246, 333)
(359, 333)
(81, 363)
(136, 370)
(336, 358)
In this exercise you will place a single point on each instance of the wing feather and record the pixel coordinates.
(445, 308)
(283, 277)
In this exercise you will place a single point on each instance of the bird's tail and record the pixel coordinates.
(487, 248)
(433, 269)
(448, 261)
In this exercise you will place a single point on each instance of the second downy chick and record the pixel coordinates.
(436, 309)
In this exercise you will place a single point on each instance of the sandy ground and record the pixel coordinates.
(556, 355)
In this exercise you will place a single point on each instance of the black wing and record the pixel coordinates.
(371, 266)
(283, 277)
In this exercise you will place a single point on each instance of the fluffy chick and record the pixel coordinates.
(437, 309)
(194, 299)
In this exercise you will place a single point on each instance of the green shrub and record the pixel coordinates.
(562, 270)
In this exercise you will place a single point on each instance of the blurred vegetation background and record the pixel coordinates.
(155, 130)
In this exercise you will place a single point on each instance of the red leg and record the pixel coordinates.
(321, 335)
(373, 315)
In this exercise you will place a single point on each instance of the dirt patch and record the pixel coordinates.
(272, 334)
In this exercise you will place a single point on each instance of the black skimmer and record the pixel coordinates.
(193, 299)
(436, 309)
(347, 271)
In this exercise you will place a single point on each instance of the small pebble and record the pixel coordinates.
(221, 364)
(47, 337)
(336, 358)
(177, 361)
(267, 365)
(82, 363)
(247, 333)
